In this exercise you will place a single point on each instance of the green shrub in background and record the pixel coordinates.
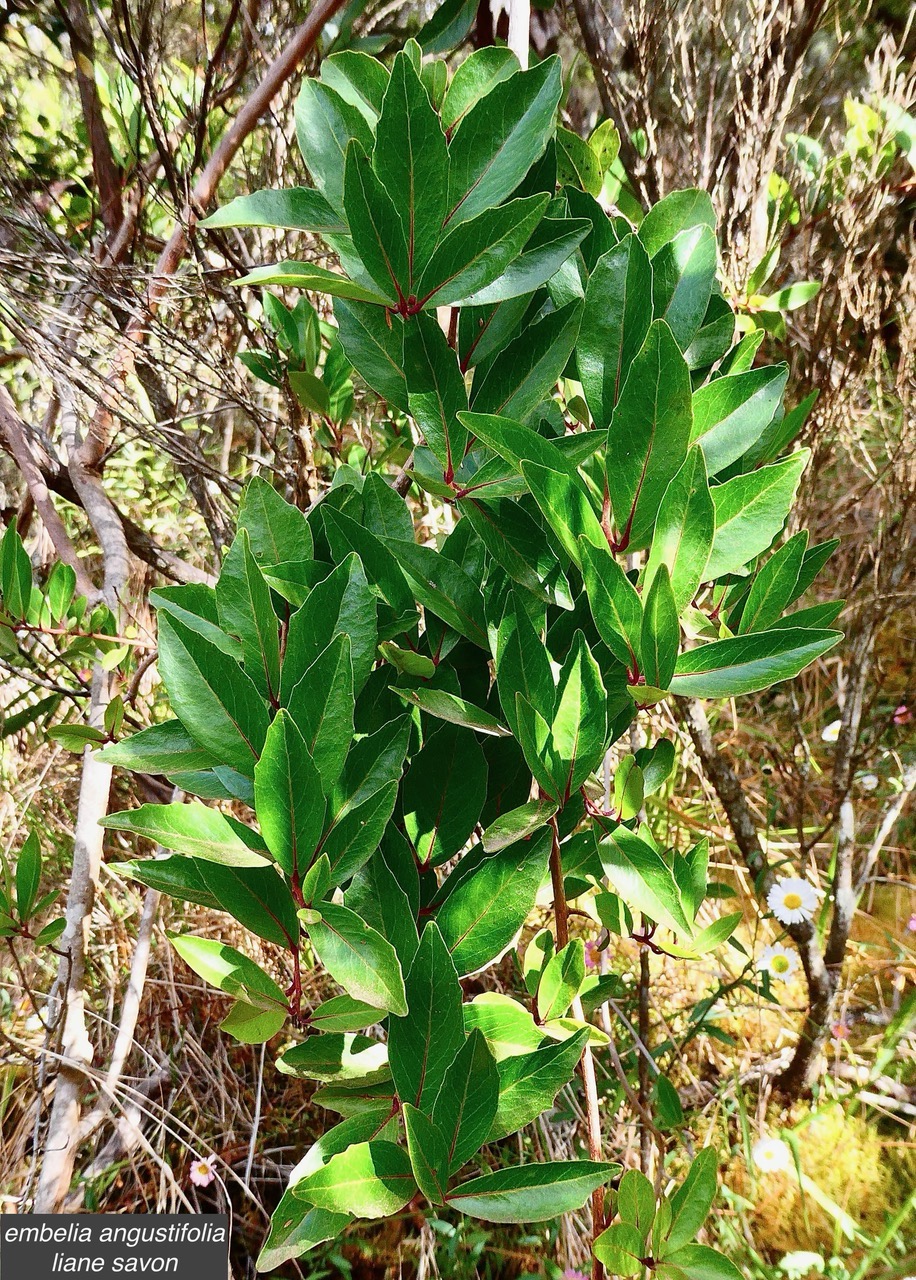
(418, 732)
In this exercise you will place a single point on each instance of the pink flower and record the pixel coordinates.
(903, 715)
(592, 955)
(572, 1274)
(911, 923)
(203, 1170)
(839, 1031)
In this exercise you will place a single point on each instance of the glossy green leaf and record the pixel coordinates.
(561, 980)
(443, 588)
(465, 1105)
(649, 436)
(289, 799)
(341, 604)
(677, 212)
(277, 531)
(750, 511)
(731, 413)
(449, 707)
(360, 79)
(577, 163)
(245, 611)
(518, 824)
(485, 911)
(230, 971)
(528, 1083)
(774, 585)
(443, 793)
(377, 897)
(578, 730)
(423, 1044)
(480, 72)
(698, 1262)
(325, 124)
(531, 1193)
(437, 393)
(746, 664)
(506, 1025)
(659, 637)
(376, 227)
(335, 1056)
(499, 138)
(368, 1180)
(343, 1013)
(295, 208)
(214, 699)
(614, 602)
(360, 959)
(321, 708)
(373, 340)
(525, 370)
(684, 530)
(643, 879)
(476, 253)
(616, 319)
(683, 274)
(551, 244)
(428, 1152)
(565, 506)
(195, 830)
(412, 161)
(163, 748)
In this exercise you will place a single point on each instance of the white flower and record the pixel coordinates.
(869, 781)
(771, 1155)
(832, 732)
(778, 961)
(203, 1171)
(801, 1264)
(792, 900)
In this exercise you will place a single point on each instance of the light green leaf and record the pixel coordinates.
(336, 1056)
(746, 664)
(325, 123)
(163, 748)
(368, 1180)
(731, 413)
(195, 830)
(480, 72)
(305, 275)
(684, 530)
(359, 958)
(677, 212)
(622, 1248)
(699, 1262)
(230, 971)
(750, 511)
(295, 208)
(289, 800)
(508, 1026)
(528, 1083)
(561, 980)
(518, 824)
(774, 586)
(531, 1193)
(683, 274)
(643, 879)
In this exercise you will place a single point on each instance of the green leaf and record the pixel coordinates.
(245, 611)
(692, 1201)
(684, 530)
(15, 573)
(676, 213)
(507, 1026)
(289, 800)
(428, 1154)
(368, 1180)
(814, 560)
(731, 413)
(437, 393)
(305, 275)
(518, 824)
(792, 296)
(214, 699)
(529, 1082)
(28, 876)
(60, 589)
(477, 253)
(360, 80)
(526, 369)
(578, 731)
(561, 981)
(250, 1025)
(255, 896)
(649, 435)
(359, 958)
(699, 1262)
(325, 123)
(321, 708)
(295, 208)
(194, 606)
(616, 319)
(443, 588)
(230, 971)
(615, 604)
(335, 1056)
(340, 605)
(447, 28)
(193, 829)
(465, 1106)
(643, 879)
(636, 1201)
(659, 638)
(577, 163)
(277, 531)
(449, 707)
(531, 1193)
(343, 1013)
(443, 793)
(522, 665)
(480, 72)
(499, 138)
(383, 575)
(376, 227)
(373, 340)
(566, 508)
(483, 913)
(750, 511)
(374, 763)
(552, 242)
(622, 1248)
(683, 274)
(746, 664)
(412, 160)
(163, 748)
(774, 586)
(376, 895)
(423, 1044)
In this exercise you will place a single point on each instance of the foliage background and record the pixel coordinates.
(713, 94)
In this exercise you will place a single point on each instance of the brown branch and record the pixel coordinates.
(276, 76)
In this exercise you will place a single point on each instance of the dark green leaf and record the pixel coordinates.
(684, 530)
(428, 1154)
(321, 708)
(480, 72)
(375, 225)
(476, 253)
(616, 319)
(443, 793)
(525, 370)
(163, 748)
(746, 664)
(531, 1193)
(614, 602)
(465, 1106)
(325, 123)
(443, 588)
(359, 958)
(683, 274)
(289, 800)
(368, 1180)
(659, 638)
(774, 585)
(245, 611)
(750, 511)
(277, 531)
(437, 392)
(422, 1045)
(374, 341)
(643, 879)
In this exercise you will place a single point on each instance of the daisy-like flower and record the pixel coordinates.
(771, 1155)
(902, 715)
(869, 781)
(203, 1171)
(592, 954)
(792, 900)
(832, 731)
(778, 961)
(839, 1030)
